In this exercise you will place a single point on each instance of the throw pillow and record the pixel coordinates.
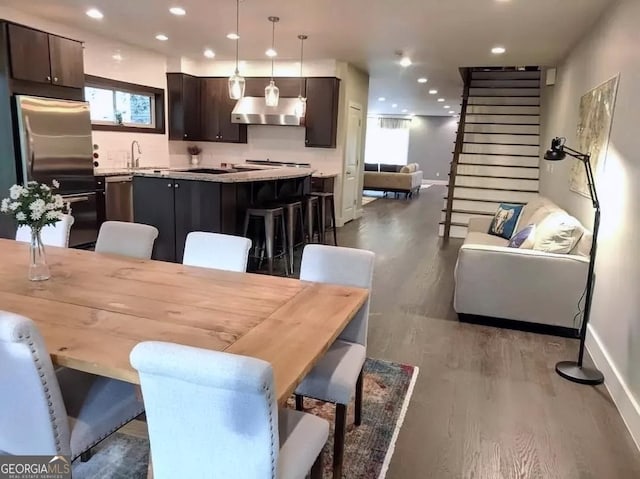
(405, 169)
(525, 238)
(558, 233)
(505, 220)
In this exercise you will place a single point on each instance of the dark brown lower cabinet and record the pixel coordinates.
(176, 208)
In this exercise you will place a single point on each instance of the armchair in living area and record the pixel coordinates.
(497, 282)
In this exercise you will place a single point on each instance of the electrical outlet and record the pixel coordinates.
(438, 173)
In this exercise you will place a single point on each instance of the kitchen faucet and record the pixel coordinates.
(135, 162)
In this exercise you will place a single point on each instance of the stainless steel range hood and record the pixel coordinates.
(253, 111)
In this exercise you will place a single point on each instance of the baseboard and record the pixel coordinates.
(435, 182)
(622, 396)
(519, 325)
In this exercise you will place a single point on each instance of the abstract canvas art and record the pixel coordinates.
(594, 126)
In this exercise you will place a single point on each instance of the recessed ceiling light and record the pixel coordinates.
(452, 112)
(162, 37)
(209, 53)
(405, 61)
(433, 92)
(440, 100)
(498, 50)
(95, 13)
(233, 36)
(412, 114)
(117, 57)
(422, 80)
(395, 105)
(446, 107)
(381, 98)
(271, 53)
(178, 11)
(405, 110)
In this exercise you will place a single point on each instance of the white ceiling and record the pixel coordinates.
(439, 35)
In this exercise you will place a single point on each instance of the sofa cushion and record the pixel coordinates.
(524, 239)
(371, 167)
(485, 239)
(537, 210)
(389, 168)
(558, 233)
(505, 220)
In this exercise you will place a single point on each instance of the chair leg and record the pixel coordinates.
(269, 233)
(338, 440)
(322, 205)
(299, 402)
(283, 245)
(291, 234)
(333, 221)
(358, 406)
(317, 468)
(86, 455)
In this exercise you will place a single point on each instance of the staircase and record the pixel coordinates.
(497, 148)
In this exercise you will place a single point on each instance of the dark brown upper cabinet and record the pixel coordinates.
(216, 108)
(289, 86)
(321, 119)
(43, 58)
(184, 106)
(67, 63)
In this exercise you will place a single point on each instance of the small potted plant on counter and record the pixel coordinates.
(195, 151)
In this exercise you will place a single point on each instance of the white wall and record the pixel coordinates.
(610, 48)
(431, 142)
(138, 65)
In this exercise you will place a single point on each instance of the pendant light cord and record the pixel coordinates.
(301, 57)
(273, 44)
(237, 33)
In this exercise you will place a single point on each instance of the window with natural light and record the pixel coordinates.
(386, 145)
(115, 107)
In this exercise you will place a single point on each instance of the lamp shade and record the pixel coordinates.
(236, 86)
(555, 155)
(301, 107)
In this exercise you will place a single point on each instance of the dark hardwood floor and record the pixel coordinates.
(487, 403)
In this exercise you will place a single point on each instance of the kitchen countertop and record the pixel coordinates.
(235, 177)
(259, 172)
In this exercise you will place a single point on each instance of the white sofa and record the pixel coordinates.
(495, 281)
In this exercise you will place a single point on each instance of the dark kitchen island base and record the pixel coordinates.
(178, 206)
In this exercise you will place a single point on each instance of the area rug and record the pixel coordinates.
(368, 448)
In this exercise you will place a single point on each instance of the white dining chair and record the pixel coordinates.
(47, 412)
(337, 377)
(126, 239)
(214, 414)
(217, 251)
(51, 235)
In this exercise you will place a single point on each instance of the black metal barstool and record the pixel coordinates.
(295, 222)
(270, 217)
(326, 200)
(311, 216)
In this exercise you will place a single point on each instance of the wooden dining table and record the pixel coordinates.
(95, 308)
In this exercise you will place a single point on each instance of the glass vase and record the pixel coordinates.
(38, 269)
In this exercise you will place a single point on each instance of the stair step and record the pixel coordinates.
(503, 119)
(486, 206)
(495, 171)
(503, 109)
(483, 201)
(456, 230)
(497, 177)
(460, 217)
(503, 160)
(494, 194)
(502, 139)
(505, 83)
(505, 74)
(499, 165)
(499, 149)
(504, 92)
(504, 100)
(497, 183)
(502, 129)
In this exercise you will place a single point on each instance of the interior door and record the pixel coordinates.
(353, 151)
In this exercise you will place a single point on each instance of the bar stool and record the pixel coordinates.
(294, 221)
(326, 200)
(270, 217)
(312, 216)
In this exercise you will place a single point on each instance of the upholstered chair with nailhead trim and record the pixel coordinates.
(126, 239)
(52, 235)
(53, 412)
(214, 414)
(337, 377)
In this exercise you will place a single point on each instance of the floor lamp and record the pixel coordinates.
(573, 370)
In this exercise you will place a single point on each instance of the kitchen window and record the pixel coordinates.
(120, 106)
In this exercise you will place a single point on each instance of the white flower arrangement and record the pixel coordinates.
(35, 205)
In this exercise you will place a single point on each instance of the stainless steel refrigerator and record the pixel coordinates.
(55, 144)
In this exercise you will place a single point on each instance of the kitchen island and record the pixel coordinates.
(178, 202)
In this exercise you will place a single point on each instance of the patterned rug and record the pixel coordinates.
(368, 448)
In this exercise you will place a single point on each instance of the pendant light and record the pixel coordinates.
(301, 105)
(272, 92)
(236, 82)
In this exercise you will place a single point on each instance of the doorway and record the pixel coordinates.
(352, 163)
